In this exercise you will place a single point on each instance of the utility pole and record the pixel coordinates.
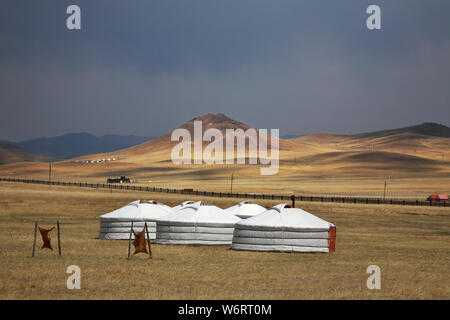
(49, 175)
(232, 177)
(384, 195)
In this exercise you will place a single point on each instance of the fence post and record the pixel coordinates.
(34, 241)
(148, 241)
(59, 237)
(129, 241)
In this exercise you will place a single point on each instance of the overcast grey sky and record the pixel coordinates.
(145, 67)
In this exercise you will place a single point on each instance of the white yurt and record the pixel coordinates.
(283, 228)
(116, 224)
(196, 223)
(246, 209)
(181, 205)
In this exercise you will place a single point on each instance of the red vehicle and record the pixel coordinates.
(437, 197)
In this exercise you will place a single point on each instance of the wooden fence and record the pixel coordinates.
(355, 200)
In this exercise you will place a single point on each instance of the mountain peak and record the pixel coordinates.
(212, 116)
(215, 120)
(432, 128)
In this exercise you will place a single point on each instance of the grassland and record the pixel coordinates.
(409, 244)
(291, 179)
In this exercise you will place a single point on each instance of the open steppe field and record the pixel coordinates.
(409, 244)
(246, 178)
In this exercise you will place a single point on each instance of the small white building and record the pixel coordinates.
(117, 224)
(196, 223)
(282, 228)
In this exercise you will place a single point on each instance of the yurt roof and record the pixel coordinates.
(283, 217)
(246, 208)
(199, 212)
(181, 205)
(139, 210)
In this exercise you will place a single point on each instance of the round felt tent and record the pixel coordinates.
(283, 228)
(196, 223)
(246, 209)
(116, 224)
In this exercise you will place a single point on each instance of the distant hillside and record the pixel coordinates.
(416, 151)
(78, 144)
(10, 154)
(427, 129)
(291, 136)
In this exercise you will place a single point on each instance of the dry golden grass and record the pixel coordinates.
(409, 244)
(247, 179)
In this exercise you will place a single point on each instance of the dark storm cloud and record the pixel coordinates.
(143, 67)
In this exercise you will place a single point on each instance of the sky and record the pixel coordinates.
(146, 67)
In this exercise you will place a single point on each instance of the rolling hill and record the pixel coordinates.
(10, 154)
(427, 129)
